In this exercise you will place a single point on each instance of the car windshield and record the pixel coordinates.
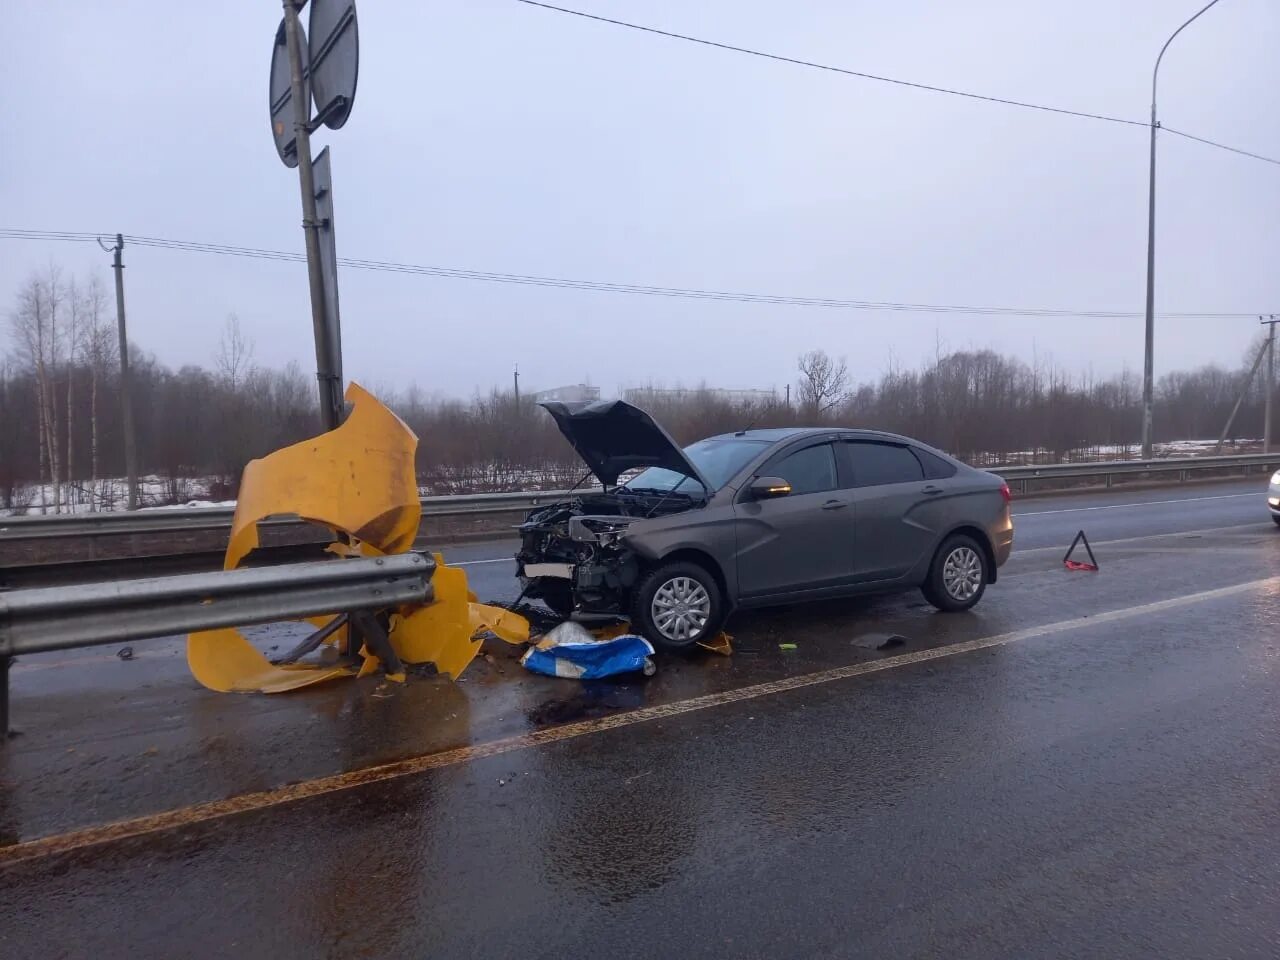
(719, 458)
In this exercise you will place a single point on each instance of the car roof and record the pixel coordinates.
(776, 434)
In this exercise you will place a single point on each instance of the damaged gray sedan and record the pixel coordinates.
(755, 518)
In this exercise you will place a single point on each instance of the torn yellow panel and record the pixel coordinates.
(358, 479)
(440, 632)
(225, 661)
(502, 623)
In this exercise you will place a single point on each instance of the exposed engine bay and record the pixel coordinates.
(574, 556)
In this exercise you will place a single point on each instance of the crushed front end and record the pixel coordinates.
(574, 555)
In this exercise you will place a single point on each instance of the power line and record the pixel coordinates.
(832, 69)
(218, 249)
(949, 91)
(1220, 146)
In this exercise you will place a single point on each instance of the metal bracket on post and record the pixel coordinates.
(376, 639)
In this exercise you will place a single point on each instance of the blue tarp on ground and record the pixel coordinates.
(588, 659)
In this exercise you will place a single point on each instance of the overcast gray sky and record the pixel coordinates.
(490, 135)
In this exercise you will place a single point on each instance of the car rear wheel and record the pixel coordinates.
(677, 606)
(1277, 521)
(959, 574)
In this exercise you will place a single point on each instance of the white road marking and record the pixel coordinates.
(322, 786)
(1144, 503)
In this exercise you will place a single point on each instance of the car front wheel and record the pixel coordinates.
(958, 576)
(677, 606)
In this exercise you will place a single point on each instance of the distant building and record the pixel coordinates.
(741, 398)
(572, 393)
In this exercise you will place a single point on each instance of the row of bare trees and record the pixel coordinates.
(61, 438)
(63, 339)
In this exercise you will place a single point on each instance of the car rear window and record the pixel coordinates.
(875, 464)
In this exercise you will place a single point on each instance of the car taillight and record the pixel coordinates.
(1006, 493)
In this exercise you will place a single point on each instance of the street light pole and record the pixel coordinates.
(1148, 367)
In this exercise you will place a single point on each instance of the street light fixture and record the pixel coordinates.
(1149, 364)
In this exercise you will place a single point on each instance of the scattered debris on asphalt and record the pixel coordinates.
(787, 646)
(125, 653)
(879, 641)
(721, 643)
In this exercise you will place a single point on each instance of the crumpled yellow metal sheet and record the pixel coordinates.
(225, 661)
(449, 631)
(358, 479)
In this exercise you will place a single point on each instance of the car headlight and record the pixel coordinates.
(1275, 477)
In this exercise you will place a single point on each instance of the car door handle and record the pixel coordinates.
(835, 505)
(931, 489)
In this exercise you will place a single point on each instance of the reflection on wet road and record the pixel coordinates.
(1083, 766)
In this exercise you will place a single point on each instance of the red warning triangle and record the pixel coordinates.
(1091, 566)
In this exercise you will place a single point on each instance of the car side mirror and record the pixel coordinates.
(769, 488)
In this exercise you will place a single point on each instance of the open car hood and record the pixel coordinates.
(613, 437)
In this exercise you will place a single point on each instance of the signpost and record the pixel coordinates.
(324, 70)
(323, 183)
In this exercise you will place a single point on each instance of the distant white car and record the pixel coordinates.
(1273, 497)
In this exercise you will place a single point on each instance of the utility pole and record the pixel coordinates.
(126, 402)
(1244, 392)
(326, 367)
(1270, 381)
(788, 396)
(517, 386)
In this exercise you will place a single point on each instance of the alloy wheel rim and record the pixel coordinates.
(681, 608)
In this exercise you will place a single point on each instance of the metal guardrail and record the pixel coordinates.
(191, 519)
(171, 520)
(61, 618)
(1184, 467)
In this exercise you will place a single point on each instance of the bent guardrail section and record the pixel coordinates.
(60, 618)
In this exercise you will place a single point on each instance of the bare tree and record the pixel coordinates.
(235, 353)
(824, 383)
(35, 328)
(76, 310)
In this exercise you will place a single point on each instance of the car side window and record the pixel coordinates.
(935, 468)
(811, 470)
(875, 464)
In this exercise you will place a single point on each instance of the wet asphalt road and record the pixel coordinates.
(1086, 765)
